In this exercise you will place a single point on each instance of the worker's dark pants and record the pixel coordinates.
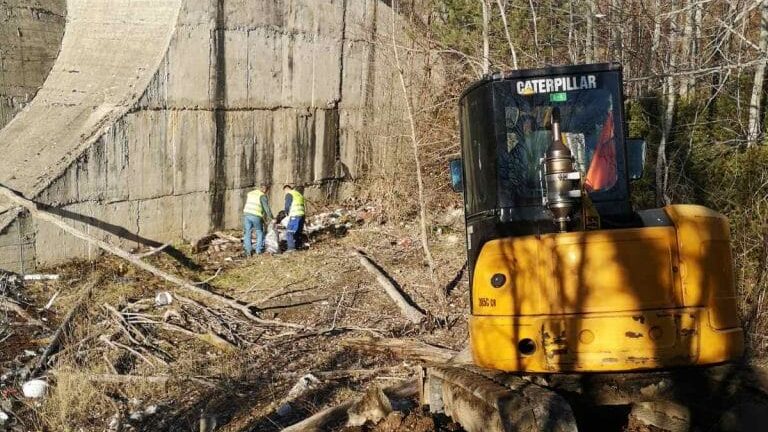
(293, 232)
(251, 222)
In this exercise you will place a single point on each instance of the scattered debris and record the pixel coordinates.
(664, 415)
(153, 251)
(322, 419)
(41, 277)
(55, 343)
(9, 305)
(337, 221)
(52, 300)
(372, 407)
(163, 298)
(34, 389)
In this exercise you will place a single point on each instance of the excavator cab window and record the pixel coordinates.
(507, 128)
(589, 120)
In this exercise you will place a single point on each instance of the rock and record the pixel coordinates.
(163, 298)
(34, 389)
(303, 385)
(115, 423)
(665, 415)
(4, 417)
(284, 410)
(452, 218)
(208, 423)
(151, 410)
(373, 407)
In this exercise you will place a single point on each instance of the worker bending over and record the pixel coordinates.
(294, 206)
(255, 214)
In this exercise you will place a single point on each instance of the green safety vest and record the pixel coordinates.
(253, 203)
(297, 204)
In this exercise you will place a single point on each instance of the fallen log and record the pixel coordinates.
(58, 221)
(406, 308)
(58, 335)
(402, 348)
(336, 414)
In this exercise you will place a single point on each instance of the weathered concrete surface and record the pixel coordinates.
(159, 115)
(30, 38)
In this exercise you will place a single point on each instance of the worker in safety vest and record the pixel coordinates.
(255, 214)
(294, 207)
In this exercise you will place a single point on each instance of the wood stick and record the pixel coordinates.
(58, 335)
(153, 251)
(409, 312)
(209, 338)
(129, 330)
(403, 348)
(58, 221)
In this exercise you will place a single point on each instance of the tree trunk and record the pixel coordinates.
(686, 56)
(755, 102)
(534, 18)
(662, 167)
(589, 38)
(415, 148)
(486, 41)
(506, 32)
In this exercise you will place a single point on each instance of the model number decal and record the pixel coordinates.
(487, 302)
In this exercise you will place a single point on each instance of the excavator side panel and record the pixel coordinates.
(616, 300)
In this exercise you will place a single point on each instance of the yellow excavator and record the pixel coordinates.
(567, 279)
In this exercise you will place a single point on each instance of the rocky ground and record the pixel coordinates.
(144, 354)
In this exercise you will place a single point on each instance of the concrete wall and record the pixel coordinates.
(30, 38)
(244, 92)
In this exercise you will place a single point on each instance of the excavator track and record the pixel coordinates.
(486, 400)
(726, 397)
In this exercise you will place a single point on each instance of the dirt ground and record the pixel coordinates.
(132, 361)
(194, 360)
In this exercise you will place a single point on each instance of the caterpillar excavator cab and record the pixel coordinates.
(565, 275)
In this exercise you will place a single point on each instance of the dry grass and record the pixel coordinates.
(322, 288)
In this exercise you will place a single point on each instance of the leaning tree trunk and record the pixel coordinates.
(757, 87)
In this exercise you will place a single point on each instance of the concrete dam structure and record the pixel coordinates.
(30, 38)
(159, 115)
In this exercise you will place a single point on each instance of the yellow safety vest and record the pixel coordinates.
(253, 203)
(297, 204)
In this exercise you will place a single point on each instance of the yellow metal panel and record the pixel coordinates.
(603, 342)
(595, 271)
(706, 262)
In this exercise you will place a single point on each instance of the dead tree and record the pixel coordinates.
(757, 87)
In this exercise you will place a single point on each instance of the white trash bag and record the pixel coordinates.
(271, 240)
